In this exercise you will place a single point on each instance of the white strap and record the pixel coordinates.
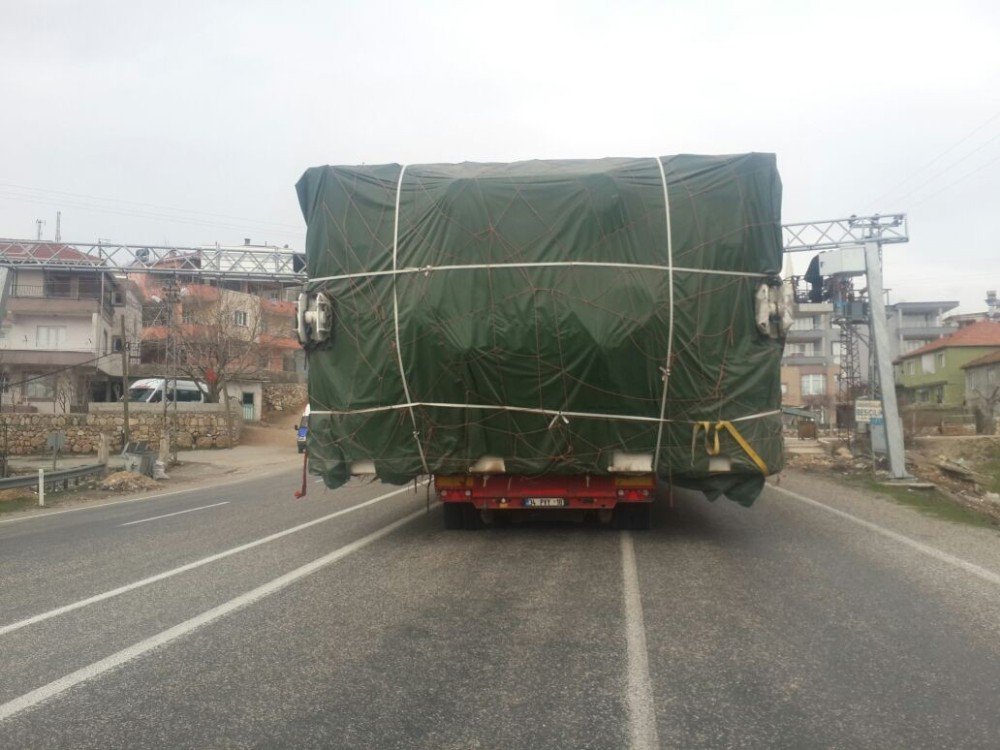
(556, 414)
(547, 264)
(395, 319)
(670, 323)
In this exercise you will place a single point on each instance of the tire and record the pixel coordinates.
(642, 516)
(453, 516)
(470, 515)
(622, 518)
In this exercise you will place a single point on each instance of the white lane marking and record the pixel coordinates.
(160, 639)
(141, 498)
(190, 566)
(958, 562)
(175, 513)
(639, 690)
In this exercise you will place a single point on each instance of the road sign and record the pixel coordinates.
(865, 410)
(55, 441)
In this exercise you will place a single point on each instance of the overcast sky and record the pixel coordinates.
(190, 122)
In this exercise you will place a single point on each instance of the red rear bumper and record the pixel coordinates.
(507, 491)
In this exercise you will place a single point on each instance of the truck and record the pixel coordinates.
(546, 336)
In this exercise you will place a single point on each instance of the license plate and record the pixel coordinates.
(544, 502)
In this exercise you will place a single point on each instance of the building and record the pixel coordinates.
(817, 346)
(213, 334)
(982, 391)
(60, 332)
(933, 373)
(916, 324)
(811, 360)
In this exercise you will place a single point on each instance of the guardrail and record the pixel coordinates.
(51, 479)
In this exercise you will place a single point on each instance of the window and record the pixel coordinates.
(805, 323)
(939, 359)
(39, 386)
(784, 389)
(116, 344)
(186, 394)
(911, 367)
(240, 318)
(813, 385)
(50, 337)
(910, 345)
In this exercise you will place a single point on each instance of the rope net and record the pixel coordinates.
(554, 368)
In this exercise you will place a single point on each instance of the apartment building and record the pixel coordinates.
(916, 324)
(60, 332)
(814, 349)
(811, 361)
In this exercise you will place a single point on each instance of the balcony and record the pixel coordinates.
(925, 332)
(58, 300)
(808, 334)
(797, 360)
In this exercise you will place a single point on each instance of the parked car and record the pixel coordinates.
(150, 391)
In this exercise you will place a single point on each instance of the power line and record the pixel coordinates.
(954, 164)
(964, 177)
(140, 214)
(941, 155)
(150, 205)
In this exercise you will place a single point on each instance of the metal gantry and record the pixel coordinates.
(837, 233)
(238, 262)
(869, 233)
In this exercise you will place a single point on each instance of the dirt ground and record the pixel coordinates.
(276, 428)
(963, 469)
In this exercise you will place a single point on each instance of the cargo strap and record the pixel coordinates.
(713, 447)
(670, 320)
(395, 317)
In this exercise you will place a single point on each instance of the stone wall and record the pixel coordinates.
(284, 396)
(26, 434)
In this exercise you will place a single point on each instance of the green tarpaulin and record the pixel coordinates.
(523, 311)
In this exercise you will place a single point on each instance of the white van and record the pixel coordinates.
(150, 391)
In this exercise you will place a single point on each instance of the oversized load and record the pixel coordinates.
(575, 317)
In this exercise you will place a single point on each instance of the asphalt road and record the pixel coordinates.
(237, 616)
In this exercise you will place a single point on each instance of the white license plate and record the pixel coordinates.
(544, 502)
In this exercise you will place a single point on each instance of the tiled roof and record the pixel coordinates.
(981, 333)
(33, 252)
(987, 359)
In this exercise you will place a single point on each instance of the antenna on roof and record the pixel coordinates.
(58, 226)
(38, 234)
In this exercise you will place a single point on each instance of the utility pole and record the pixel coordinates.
(883, 361)
(125, 430)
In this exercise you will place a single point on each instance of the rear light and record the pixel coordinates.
(633, 494)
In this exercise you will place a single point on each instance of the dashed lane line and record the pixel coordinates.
(175, 513)
(56, 687)
(191, 565)
(639, 688)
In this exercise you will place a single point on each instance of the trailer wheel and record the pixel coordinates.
(471, 516)
(453, 516)
(642, 517)
(622, 518)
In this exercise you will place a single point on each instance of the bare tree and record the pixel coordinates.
(218, 342)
